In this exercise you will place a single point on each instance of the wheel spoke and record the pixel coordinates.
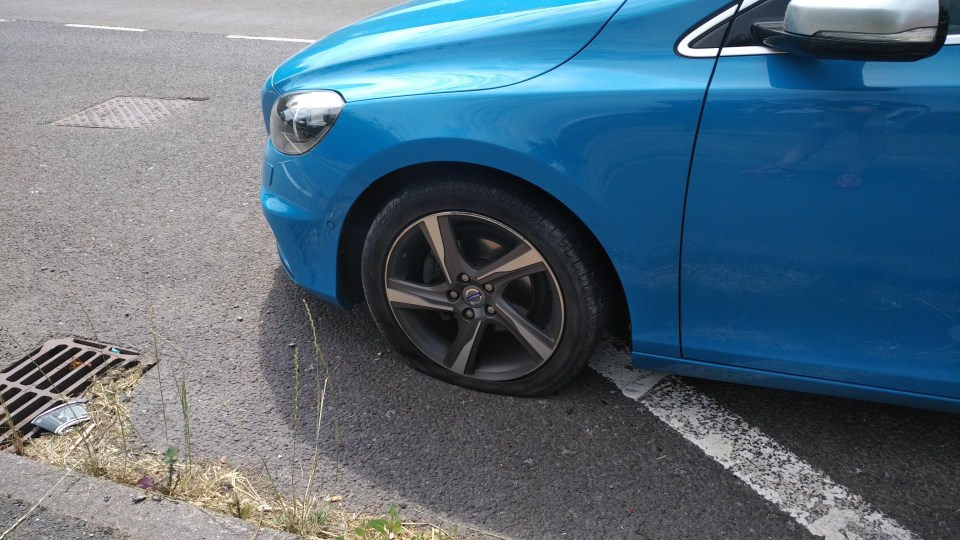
(404, 294)
(463, 351)
(439, 234)
(493, 279)
(532, 338)
(519, 262)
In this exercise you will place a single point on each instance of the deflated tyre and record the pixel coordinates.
(483, 285)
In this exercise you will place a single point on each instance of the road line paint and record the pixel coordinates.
(268, 38)
(122, 28)
(806, 494)
(615, 365)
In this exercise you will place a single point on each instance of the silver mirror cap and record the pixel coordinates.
(863, 17)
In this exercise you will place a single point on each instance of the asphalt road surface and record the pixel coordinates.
(114, 232)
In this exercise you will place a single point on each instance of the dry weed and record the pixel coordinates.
(108, 446)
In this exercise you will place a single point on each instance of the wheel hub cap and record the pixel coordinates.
(473, 296)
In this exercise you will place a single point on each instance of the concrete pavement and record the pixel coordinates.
(65, 505)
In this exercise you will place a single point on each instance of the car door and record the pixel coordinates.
(822, 224)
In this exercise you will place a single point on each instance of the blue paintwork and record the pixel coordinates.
(796, 275)
(609, 131)
(446, 46)
(301, 197)
(756, 377)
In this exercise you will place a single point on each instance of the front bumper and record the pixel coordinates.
(305, 201)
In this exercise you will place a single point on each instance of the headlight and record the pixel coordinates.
(298, 121)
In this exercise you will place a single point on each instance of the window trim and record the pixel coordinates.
(684, 49)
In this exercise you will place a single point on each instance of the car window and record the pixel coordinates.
(954, 12)
(771, 11)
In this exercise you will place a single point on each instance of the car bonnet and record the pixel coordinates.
(445, 46)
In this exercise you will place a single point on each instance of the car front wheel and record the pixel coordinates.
(483, 284)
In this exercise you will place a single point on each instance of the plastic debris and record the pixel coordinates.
(114, 350)
(62, 417)
(149, 483)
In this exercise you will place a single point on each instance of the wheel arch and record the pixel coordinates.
(372, 200)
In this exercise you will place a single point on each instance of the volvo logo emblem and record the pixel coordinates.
(473, 296)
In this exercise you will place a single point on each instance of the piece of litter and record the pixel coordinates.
(62, 417)
(148, 483)
(137, 499)
(334, 498)
(114, 350)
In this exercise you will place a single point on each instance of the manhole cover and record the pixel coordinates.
(127, 112)
(58, 370)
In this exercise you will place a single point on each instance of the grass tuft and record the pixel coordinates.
(108, 446)
(16, 439)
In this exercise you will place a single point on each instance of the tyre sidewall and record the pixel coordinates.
(534, 221)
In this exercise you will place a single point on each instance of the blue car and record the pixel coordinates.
(763, 191)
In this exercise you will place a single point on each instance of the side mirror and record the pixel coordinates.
(891, 30)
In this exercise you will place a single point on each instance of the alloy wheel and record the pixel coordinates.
(474, 296)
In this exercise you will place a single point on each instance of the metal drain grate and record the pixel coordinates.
(126, 112)
(58, 370)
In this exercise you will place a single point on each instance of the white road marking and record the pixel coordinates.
(268, 38)
(615, 365)
(808, 495)
(121, 28)
(126, 29)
